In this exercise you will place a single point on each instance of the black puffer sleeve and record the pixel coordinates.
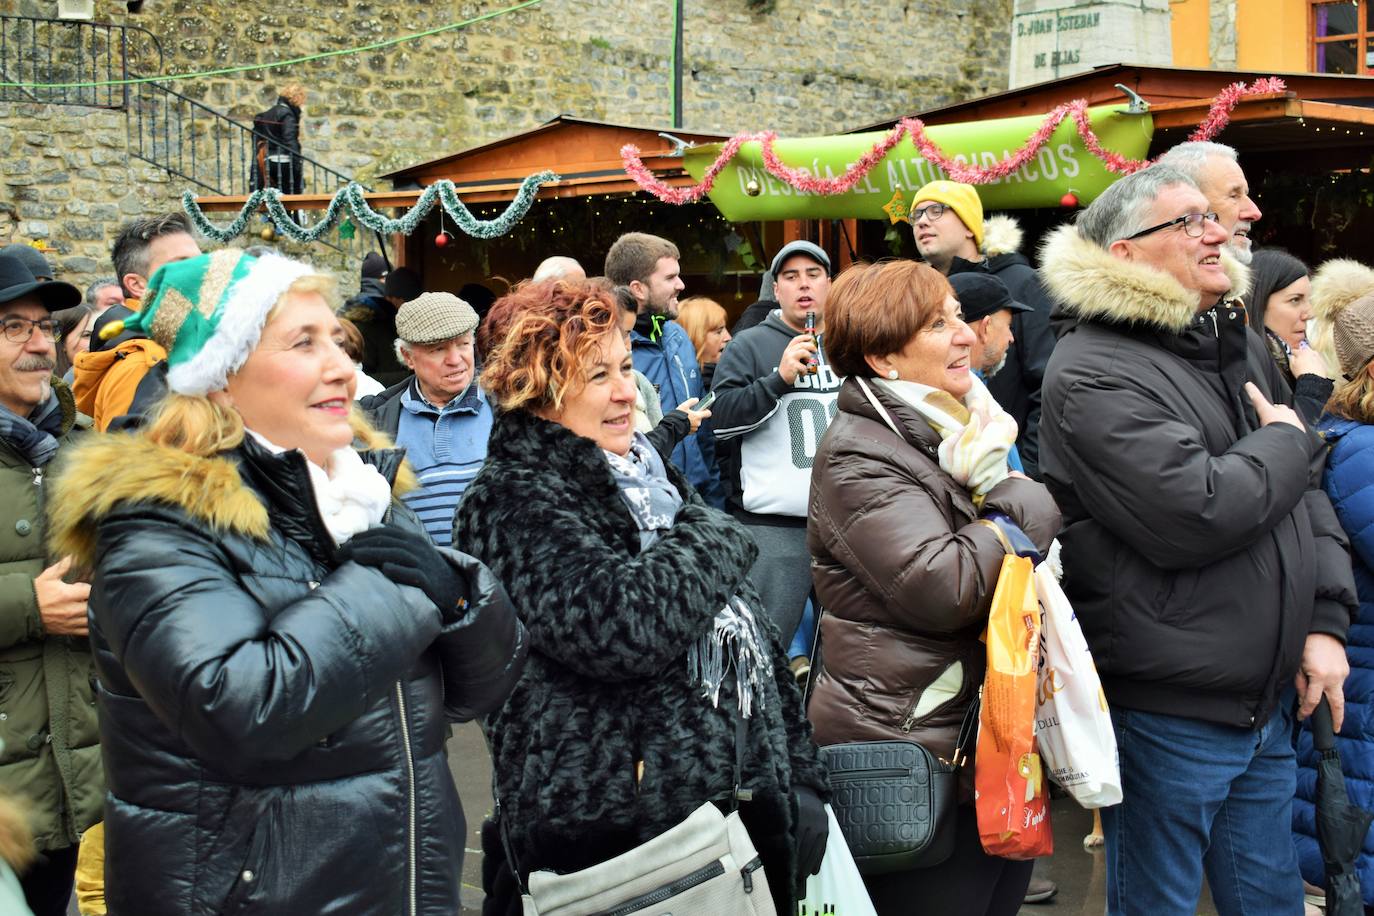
(238, 684)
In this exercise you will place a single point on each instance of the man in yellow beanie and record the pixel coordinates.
(953, 237)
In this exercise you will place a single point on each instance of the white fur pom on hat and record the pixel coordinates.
(1343, 296)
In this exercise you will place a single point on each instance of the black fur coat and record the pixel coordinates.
(606, 685)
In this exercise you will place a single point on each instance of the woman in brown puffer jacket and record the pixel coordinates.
(902, 566)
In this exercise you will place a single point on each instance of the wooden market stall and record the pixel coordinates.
(1306, 151)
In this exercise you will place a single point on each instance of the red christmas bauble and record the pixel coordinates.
(1069, 201)
(441, 240)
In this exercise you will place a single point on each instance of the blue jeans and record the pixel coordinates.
(1197, 796)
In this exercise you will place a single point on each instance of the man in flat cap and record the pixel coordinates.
(439, 415)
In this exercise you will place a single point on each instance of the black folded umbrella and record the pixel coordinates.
(1341, 827)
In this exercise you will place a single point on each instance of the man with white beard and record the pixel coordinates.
(1217, 173)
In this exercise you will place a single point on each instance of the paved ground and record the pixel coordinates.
(1078, 873)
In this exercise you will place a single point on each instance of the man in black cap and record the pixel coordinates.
(988, 311)
(51, 757)
(31, 258)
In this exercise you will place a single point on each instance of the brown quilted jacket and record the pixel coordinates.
(904, 572)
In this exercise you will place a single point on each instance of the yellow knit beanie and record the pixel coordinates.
(961, 198)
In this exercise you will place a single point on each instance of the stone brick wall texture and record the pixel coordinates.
(801, 67)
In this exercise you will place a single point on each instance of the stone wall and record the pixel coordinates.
(802, 67)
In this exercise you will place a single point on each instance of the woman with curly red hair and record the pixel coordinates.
(647, 644)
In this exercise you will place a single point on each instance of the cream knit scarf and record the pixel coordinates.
(975, 434)
(352, 495)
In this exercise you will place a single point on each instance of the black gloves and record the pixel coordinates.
(813, 829)
(409, 558)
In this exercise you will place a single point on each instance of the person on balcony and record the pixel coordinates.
(277, 144)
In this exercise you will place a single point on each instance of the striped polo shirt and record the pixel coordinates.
(446, 447)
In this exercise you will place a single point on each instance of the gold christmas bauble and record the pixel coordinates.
(753, 188)
(267, 234)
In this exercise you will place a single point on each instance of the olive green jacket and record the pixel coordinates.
(50, 758)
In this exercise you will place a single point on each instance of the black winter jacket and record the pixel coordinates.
(273, 722)
(1199, 549)
(607, 687)
(1017, 386)
(383, 409)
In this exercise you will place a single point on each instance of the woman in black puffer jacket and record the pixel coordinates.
(624, 577)
(279, 648)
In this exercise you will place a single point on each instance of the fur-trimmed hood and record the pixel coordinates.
(1091, 283)
(1001, 235)
(104, 471)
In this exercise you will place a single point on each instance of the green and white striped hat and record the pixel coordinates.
(208, 312)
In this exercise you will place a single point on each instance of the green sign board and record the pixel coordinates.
(1061, 166)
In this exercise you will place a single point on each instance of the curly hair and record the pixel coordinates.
(538, 339)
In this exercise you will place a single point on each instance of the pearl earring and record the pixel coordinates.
(892, 374)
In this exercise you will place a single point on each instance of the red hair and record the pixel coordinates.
(538, 339)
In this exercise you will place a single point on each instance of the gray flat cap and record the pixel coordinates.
(433, 317)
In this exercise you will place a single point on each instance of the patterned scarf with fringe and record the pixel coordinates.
(734, 640)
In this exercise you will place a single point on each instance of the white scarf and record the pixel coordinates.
(975, 434)
(353, 496)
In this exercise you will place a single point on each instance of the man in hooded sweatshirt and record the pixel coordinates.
(775, 397)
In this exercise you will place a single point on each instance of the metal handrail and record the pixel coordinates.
(87, 44)
(167, 129)
(317, 167)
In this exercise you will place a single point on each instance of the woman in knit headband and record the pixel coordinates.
(278, 645)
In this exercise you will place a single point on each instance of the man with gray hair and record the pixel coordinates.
(103, 294)
(559, 267)
(1201, 555)
(439, 414)
(1215, 169)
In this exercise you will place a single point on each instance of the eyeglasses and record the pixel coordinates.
(19, 330)
(933, 211)
(1192, 225)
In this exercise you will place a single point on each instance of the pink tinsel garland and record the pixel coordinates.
(1218, 116)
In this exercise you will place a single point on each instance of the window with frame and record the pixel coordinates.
(1341, 36)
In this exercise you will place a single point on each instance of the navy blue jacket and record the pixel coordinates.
(1350, 484)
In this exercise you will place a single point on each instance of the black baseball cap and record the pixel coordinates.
(982, 295)
(17, 281)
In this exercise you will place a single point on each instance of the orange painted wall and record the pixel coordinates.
(1272, 35)
(1189, 25)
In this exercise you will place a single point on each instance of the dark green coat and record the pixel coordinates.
(51, 757)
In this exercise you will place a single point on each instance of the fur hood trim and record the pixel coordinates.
(1093, 284)
(1337, 284)
(102, 472)
(1001, 235)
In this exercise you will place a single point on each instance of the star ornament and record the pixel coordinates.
(346, 229)
(896, 208)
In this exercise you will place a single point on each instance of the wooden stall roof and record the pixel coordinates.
(585, 154)
(1329, 115)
